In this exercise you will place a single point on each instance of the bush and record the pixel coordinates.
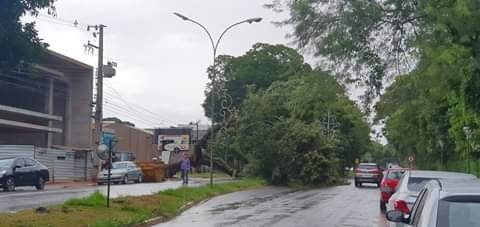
(94, 200)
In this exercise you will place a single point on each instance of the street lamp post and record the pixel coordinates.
(468, 133)
(215, 48)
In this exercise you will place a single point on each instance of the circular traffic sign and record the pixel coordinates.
(411, 158)
(102, 151)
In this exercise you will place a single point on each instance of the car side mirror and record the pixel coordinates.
(396, 216)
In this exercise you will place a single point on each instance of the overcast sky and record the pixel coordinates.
(162, 60)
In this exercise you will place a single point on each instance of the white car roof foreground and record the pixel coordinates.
(457, 187)
(440, 174)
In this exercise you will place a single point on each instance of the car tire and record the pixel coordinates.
(140, 178)
(125, 180)
(40, 183)
(383, 206)
(9, 185)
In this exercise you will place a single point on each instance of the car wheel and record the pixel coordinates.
(383, 207)
(9, 185)
(40, 183)
(125, 179)
(140, 178)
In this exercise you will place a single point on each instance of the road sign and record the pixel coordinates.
(411, 158)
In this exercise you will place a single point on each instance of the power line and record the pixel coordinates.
(137, 106)
(73, 23)
(136, 112)
(129, 115)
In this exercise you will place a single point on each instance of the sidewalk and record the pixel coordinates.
(70, 185)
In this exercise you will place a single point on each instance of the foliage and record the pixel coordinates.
(304, 129)
(425, 110)
(255, 70)
(19, 43)
(94, 200)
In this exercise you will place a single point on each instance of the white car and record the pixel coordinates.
(411, 184)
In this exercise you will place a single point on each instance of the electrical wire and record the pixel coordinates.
(121, 98)
(134, 112)
(129, 116)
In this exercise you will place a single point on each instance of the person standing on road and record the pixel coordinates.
(185, 168)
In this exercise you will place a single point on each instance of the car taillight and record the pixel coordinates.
(401, 206)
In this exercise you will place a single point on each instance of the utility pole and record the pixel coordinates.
(99, 100)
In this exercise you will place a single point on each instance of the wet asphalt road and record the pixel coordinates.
(274, 206)
(28, 197)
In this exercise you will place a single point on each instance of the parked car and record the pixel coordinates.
(368, 173)
(388, 185)
(410, 185)
(443, 203)
(15, 172)
(121, 172)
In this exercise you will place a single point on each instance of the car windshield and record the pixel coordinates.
(119, 165)
(4, 163)
(367, 166)
(416, 183)
(395, 175)
(453, 214)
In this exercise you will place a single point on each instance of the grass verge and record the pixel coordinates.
(124, 211)
(216, 174)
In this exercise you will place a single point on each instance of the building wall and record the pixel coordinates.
(79, 111)
(134, 140)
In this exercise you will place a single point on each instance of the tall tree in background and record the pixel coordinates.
(19, 43)
(370, 40)
(255, 70)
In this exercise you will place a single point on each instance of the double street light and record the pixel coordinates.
(215, 48)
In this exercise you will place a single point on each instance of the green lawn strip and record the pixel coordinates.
(124, 211)
(216, 174)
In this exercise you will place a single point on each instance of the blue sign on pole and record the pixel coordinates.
(107, 139)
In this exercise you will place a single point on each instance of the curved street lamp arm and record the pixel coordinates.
(228, 28)
(203, 27)
(209, 35)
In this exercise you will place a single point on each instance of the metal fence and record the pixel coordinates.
(66, 165)
(62, 164)
(14, 151)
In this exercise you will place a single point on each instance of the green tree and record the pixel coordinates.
(284, 134)
(19, 43)
(255, 70)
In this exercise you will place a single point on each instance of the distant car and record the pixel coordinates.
(443, 203)
(388, 185)
(368, 173)
(16, 172)
(410, 185)
(121, 172)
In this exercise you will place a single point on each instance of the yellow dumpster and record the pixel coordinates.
(152, 171)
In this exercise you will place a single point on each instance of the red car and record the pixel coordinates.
(368, 173)
(388, 185)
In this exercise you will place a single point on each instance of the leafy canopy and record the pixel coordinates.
(19, 43)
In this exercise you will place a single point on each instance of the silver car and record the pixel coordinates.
(410, 186)
(444, 203)
(121, 172)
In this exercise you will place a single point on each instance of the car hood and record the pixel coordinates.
(114, 171)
